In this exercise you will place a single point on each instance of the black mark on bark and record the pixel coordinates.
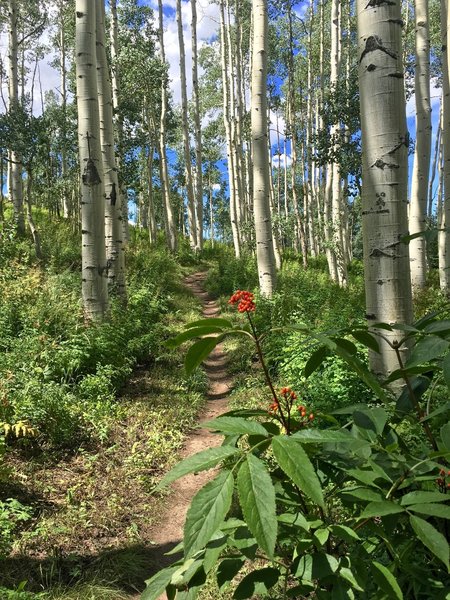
(381, 164)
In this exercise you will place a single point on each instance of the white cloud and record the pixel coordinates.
(281, 161)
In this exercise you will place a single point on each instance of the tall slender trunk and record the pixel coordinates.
(115, 80)
(186, 143)
(422, 154)
(385, 173)
(263, 225)
(93, 269)
(15, 184)
(198, 131)
(169, 221)
(234, 217)
(115, 256)
(64, 166)
(151, 218)
(444, 271)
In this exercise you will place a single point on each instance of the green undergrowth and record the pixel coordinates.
(91, 417)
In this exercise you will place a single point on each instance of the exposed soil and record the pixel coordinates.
(99, 519)
(170, 528)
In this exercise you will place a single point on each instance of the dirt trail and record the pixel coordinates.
(170, 529)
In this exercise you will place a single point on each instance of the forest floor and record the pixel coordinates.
(168, 532)
(97, 522)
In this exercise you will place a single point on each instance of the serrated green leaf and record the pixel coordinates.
(431, 538)
(316, 566)
(207, 459)
(346, 345)
(296, 464)
(445, 435)
(257, 498)
(344, 533)
(386, 581)
(189, 334)
(294, 519)
(446, 369)
(380, 509)
(158, 583)
(367, 339)
(315, 360)
(433, 510)
(208, 509)
(426, 349)
(211, 322)
(367, 494)
(227, 570)
(422, 498)
(199, 351)
(256, 583)
(325, 436)
(235, 425)
(438, 327)
(348, 576)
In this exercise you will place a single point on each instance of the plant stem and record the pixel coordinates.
(266, 373)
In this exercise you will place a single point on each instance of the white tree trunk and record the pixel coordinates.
(385, 143)
(444, 270)
(115, 81)
(234, 218)
(93, 270)
(115, 255)
(422, 154)
(186, 142)
(169, 221)
(263, 225)
(198, 131)
(15, 183)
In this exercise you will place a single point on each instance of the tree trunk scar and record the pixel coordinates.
(396, 22)
(373, 43)
(404, 141)
(381, 164)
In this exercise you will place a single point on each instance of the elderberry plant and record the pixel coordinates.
(346, 507)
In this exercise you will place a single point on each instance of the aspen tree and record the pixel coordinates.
(169, 222)
(15, 183)
(115, 81)
(444, 267)
(186, 144)
(234, 216)
(93, 269)
(422, 154)
(385, 144)
(115, 255)
(198, 131)
(261, 203)
(63, 79)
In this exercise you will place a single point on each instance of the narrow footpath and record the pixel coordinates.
(169, 530)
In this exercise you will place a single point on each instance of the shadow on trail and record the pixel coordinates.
(125, 569)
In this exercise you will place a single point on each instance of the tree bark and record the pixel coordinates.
(444, 268)
(422, 154)
(385, 144)
(115, 255)
(263, 225)
(169, 221)
(15, 183)
(198, 131)
(93, 269)
(186, 143)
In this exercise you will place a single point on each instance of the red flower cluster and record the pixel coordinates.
(244, 300)
(443, 486)
(274, 407)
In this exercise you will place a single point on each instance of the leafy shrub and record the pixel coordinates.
(348, 511)
(231, 273)
(12, 514)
